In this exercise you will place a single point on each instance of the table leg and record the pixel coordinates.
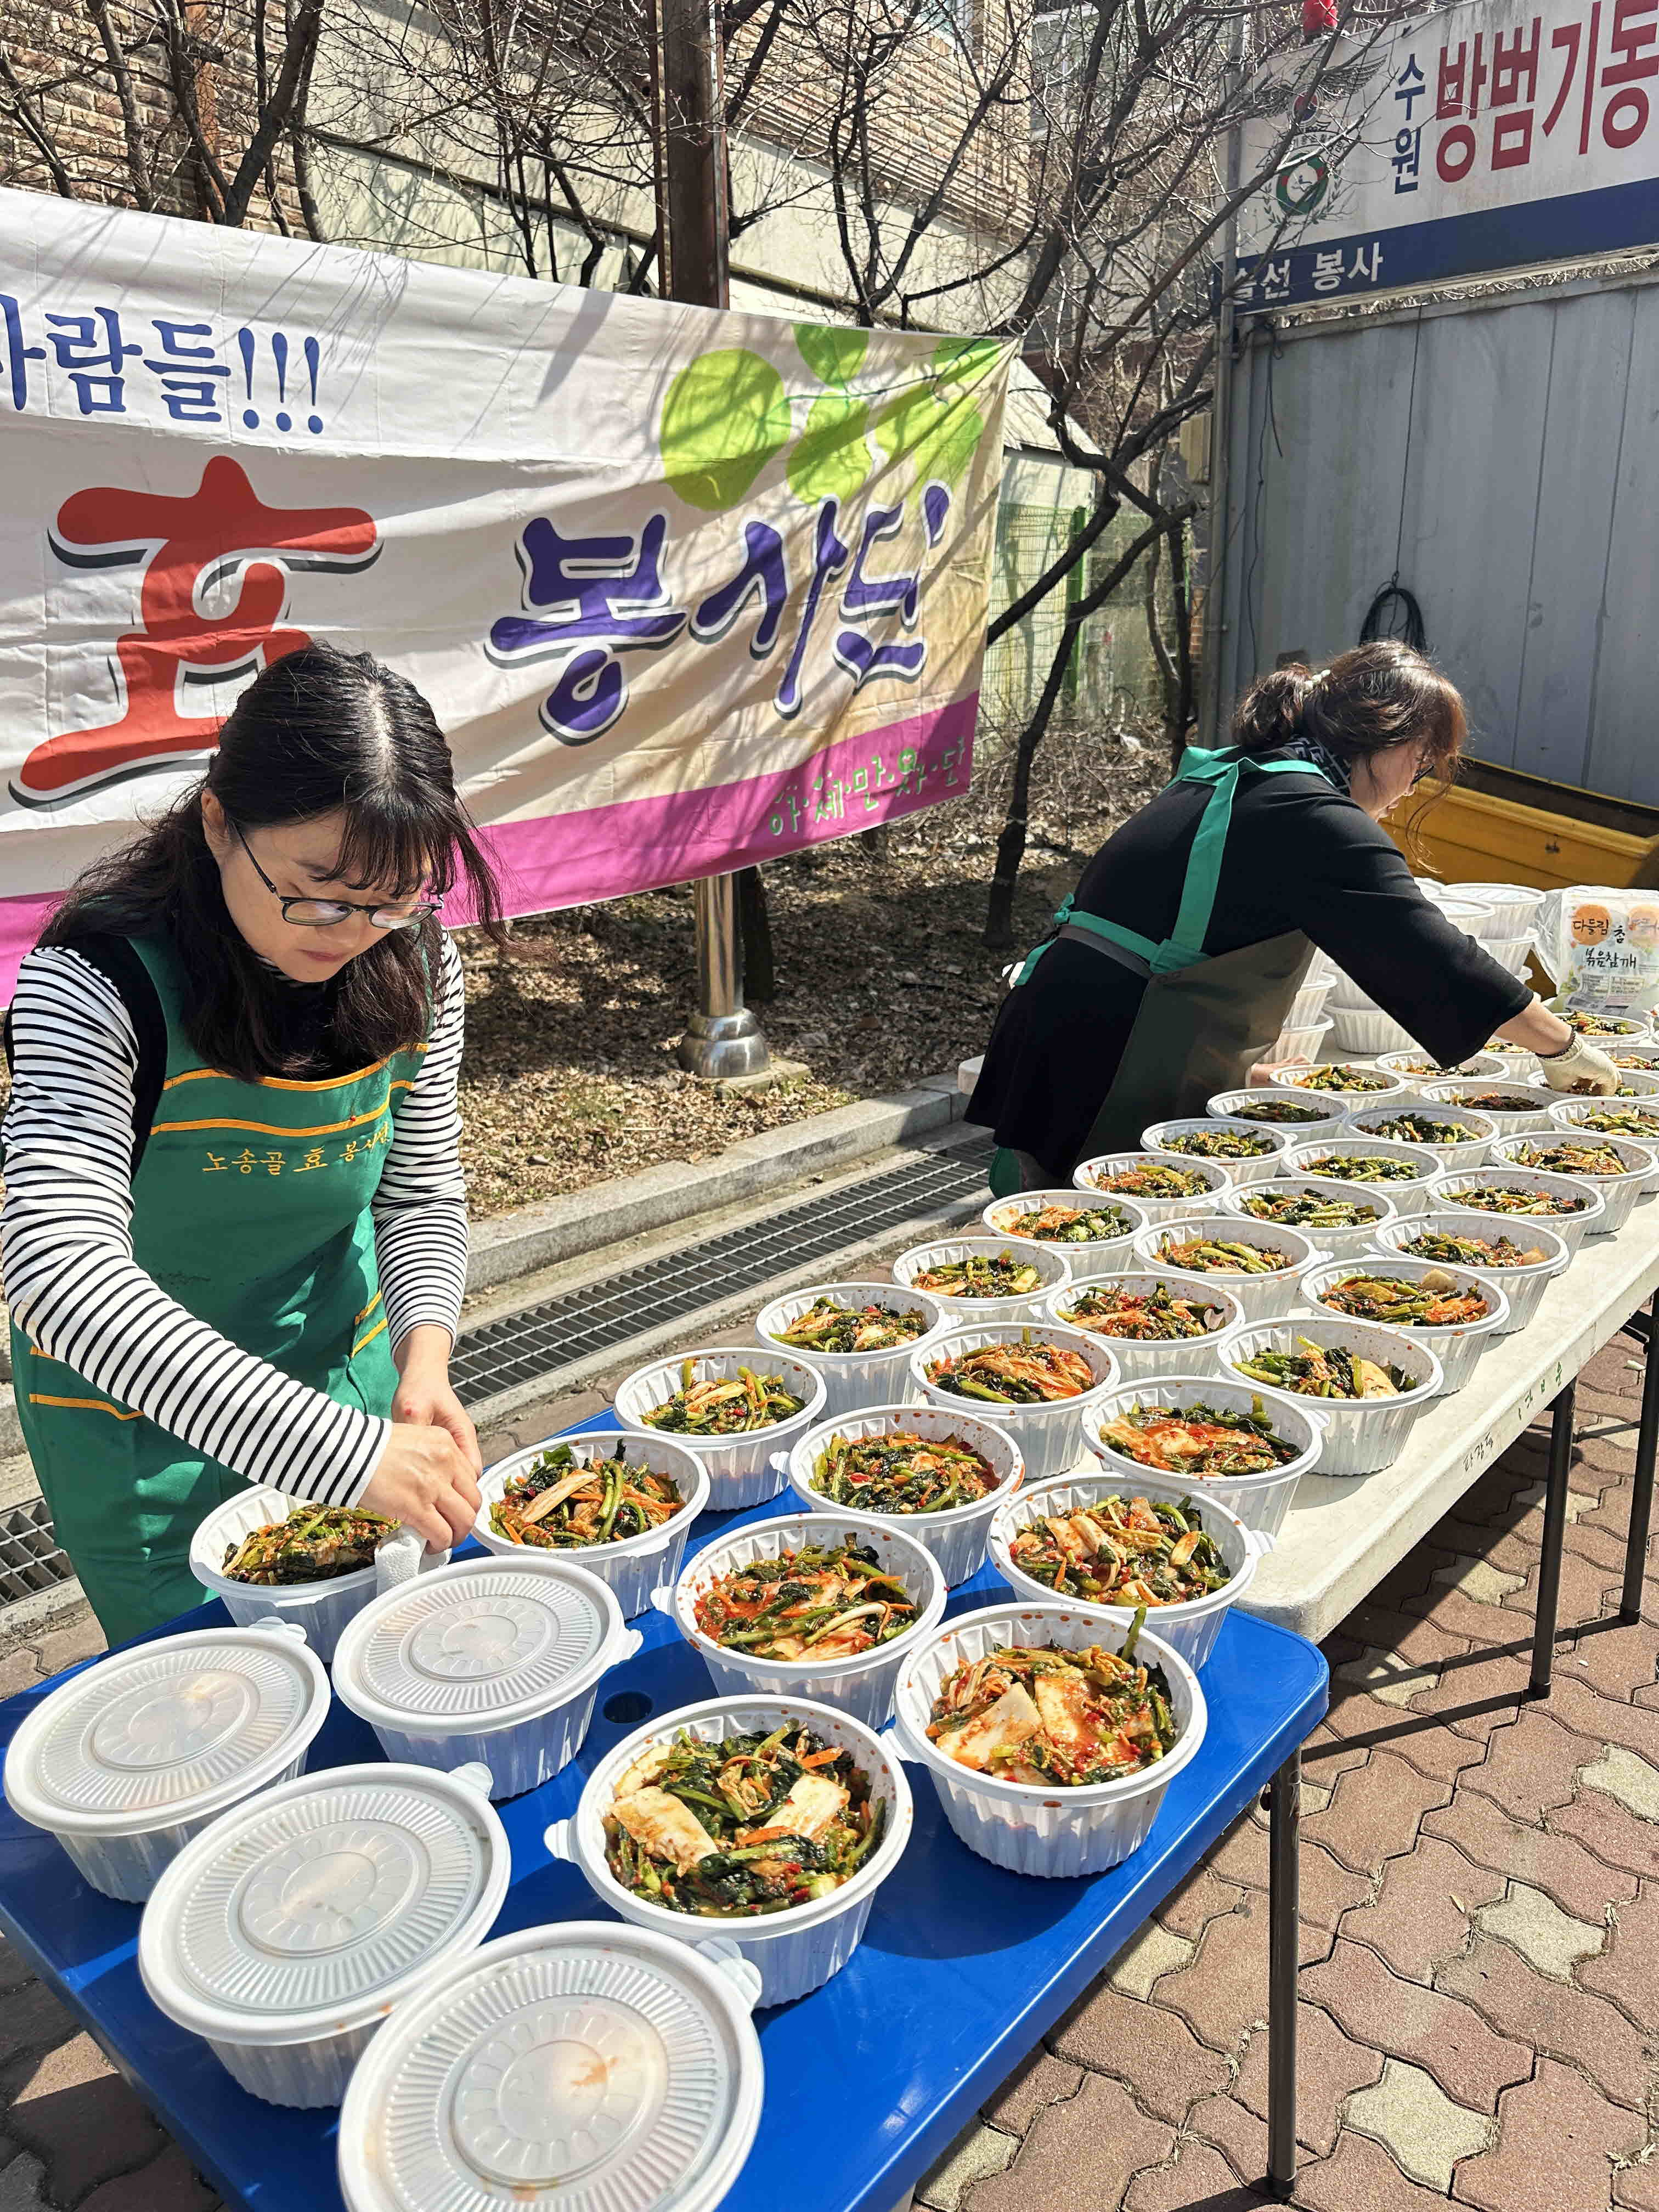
(1555, 1530)
(1641, 1497)
(1283, 1950)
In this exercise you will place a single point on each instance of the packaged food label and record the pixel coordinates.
(1601, 945)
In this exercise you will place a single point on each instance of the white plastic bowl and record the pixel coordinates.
(1511, 907)
(1256, 1168)
(1258, 1296)
(1462, 1092)
(132, 1758)
(284, 1934)
(1048, 1439)
(740, 1470)
(1137, 1357)
(1458, 1346)
(1624, 1029)
(1054, 1269)
(1409, 1196)
(798, 1949)
(1309, 1005)
(1641, 1058)
(1570, 1114)
(1336, 1240)
(1571, 1228)
(1088, 1262)
(1019, 1825)
(493, 1660)
(1260, 1501)
(1618, 1194)
(1416, 1068)
(1347, 1102)
(1226, 1106)
(1469, 1152)
(863, 1685)
(852, 1379)
(1523, 1287)
(1190, 1628)
(321, 1608)
(956, 1537)
(1363, 1434)
(1510, 952)
(1362, 1033)
(632, 1565)
(1300, 1040)
(1157, 1209)
(1634, 1083)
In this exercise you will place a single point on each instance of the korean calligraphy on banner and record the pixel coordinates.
(1493, 135)
(686, 589)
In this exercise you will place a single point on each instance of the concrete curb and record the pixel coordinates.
(511, 1244)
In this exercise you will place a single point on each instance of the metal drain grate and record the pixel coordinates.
(533, 1345)
(31, 1557)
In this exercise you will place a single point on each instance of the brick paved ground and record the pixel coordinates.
(1481, 1939)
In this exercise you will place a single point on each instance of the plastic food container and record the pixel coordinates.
(1258, 1167)
(1089, 1262)
(1366, 1032)
(1622, 1030)
(321, 1608)
(1362, 1434)
(1571, 1114)
(1461, 1091)
(492, 1660)
(1415, 1067)
(1135, 1355)
(1260, 1501)
(287, 1931)
(1018, 1825)
(1511, 907)
(852, 1379)
(1458, 1347)
(1190, 1628)
(1523, 1287)
(740, 1468)
(1258, 1296)
(1571, 1228)
(956, 1537)
(1634, 1083)
(1048, 1439)
(1309, 1005)
(1225, 1105)
(132, 1758)
(1468, 1153)
(1336, 1241)
(1157, 1209)
(1510, 952)
(1618, 1193)
(1054, 1270)
(1409, 1197)
(1350, 1102)
(583, 2064)
(633, 1565)
(862, 1686)
(793, 1951)
(1300, 1040)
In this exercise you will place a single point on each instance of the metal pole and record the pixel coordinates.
(1555, 1533)
(1283, 1950)
(1215, 626)
(722, 1039)
(1641, 1495)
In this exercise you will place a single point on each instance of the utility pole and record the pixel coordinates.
(722, 1039)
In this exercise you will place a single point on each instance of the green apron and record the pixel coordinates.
(1204, 1018)
(250, 1208)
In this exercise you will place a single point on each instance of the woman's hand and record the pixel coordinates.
(423, 1479)
(1273, 1071)
(424, 1397)
(1569, 1061)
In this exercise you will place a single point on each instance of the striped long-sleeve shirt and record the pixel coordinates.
(76, 1289)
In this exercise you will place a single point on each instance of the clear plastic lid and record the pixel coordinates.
(584, 2065)
(168, 1731)
(308, 1905)
(480, 1644)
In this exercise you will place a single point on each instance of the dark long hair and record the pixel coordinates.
(1369, 700)
(317, 733)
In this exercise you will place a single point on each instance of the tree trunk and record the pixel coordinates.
(877, 842)
(754, 938)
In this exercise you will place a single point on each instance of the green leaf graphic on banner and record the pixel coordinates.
(833, 356)
(936, 425)
(833, 457)
(725, 417)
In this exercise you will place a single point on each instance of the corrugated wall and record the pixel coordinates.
(1504, 455)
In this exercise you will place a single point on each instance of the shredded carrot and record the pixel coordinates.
(822, 1758)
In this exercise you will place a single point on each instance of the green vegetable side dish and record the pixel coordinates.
(1568, 1158)
(1504, 1198)
(1005, 1276)
(1472, 1251)
(1122, 1551)
(561, 1502)
(1641, 1122)
(1160, 1315)
(829, 1326)
(1219, 1144)
(1067, 1225)
(308, 1547)
(821, 1601)
(1431, 1301)
(1318, 1370)
(751, 1825)
(1034, 1372)
(1307, 1209)
(1613, 1025)
(1277, 1110)
(1045, 1715)
(1505, 1101)
(1153, 1179)
(1211, 1255)
(1199, 1440)
(1419, 1129)
(1337, 1075)
(903, 1473)
(723, 1405)
(1432, 1067)
(1365, 1167)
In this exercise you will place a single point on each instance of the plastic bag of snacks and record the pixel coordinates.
(1602, 946)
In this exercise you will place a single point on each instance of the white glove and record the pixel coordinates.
(1581, 1068)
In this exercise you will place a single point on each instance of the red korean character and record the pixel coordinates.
(1632, 39)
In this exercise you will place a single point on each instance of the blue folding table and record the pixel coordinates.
(962, 1970)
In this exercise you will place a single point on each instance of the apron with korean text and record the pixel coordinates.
(251, 1208)
(1204, 1019)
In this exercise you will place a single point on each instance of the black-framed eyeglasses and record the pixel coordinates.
(324, 914)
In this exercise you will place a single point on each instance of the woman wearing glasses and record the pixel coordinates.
(234, 1234)
(1174, 965)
